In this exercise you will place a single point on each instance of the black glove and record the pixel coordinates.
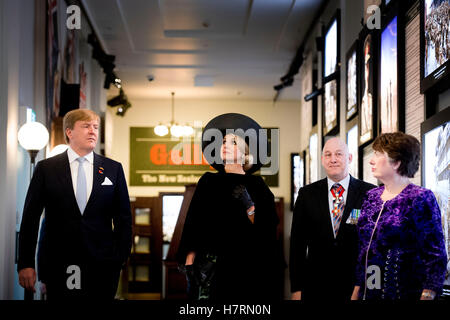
(192, 282)
(240, 193)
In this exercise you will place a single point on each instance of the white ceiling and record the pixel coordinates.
(232, 48)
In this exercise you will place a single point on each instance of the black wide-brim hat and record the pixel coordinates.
(232, 121)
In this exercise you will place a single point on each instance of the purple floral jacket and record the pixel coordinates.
(407, 252)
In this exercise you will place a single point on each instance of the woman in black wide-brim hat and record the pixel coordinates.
(229, 246)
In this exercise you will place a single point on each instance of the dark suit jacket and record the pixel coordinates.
(321, 266)
(99, 237)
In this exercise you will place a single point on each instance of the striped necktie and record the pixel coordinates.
(338, 205)
(81, 194)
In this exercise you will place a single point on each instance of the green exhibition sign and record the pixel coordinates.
(167, 161)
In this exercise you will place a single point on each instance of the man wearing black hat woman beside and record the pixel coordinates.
(229, 246)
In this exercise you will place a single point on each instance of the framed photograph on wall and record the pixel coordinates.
(391, 84)
(352, 143)
(331, 107)
(298, 178)
(367, 175)
(434, 45)
(435, 136)
(368, 93)
(352, 81)
(313, 157)
(307, 166)
(389, 78)
(331, 52)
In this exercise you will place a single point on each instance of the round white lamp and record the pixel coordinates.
(161, 130)
(33, 136)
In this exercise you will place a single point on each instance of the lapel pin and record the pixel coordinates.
(100, 170)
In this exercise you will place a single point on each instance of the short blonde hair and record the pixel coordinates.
(248, 158)
(73, 116)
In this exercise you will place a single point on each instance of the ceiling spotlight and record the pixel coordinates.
(123, 109)
(118, 100)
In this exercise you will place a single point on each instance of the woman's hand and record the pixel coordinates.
(355, 294)
(428, 294)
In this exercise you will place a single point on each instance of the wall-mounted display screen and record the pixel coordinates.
(330, 106)
(435, 167)
(366, 115)
(352, 84)
(331, 49)
(389, 78)
(435, 43)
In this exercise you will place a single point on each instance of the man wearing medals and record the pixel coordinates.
(323, 235)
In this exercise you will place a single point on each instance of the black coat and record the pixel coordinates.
(321, 266)
(249, 258)
(99, 241)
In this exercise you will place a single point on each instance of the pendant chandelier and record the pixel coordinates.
(175, 129)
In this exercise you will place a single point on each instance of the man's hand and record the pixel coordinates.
(297, 295)
(27, 278)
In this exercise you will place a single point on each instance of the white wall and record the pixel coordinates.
(9, 101)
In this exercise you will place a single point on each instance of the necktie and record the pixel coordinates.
(338, 205)
(81, 194)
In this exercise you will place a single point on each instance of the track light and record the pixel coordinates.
(121, 110)
(121, 102)
(118, 100)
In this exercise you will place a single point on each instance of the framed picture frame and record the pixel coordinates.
(435, 138)
(434, 53)
(330, 107)
(353, 147)
(313, 156)
(391, 70)
(366, 154)
(298, 176)
(351, 77)
(331, 47)
(307, 166)
(368, 40)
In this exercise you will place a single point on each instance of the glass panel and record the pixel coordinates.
(171, 209)
(142, 244)
(143, 273)
(142, 216)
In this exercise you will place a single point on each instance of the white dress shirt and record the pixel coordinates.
(344, 183)
(88, 166)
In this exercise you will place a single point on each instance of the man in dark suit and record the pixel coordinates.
(323, 248)
(87, 217)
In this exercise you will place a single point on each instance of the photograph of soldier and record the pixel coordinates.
(436, 26)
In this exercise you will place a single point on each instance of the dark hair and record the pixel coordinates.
(401, 147)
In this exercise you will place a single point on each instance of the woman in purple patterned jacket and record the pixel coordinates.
(401, 244)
